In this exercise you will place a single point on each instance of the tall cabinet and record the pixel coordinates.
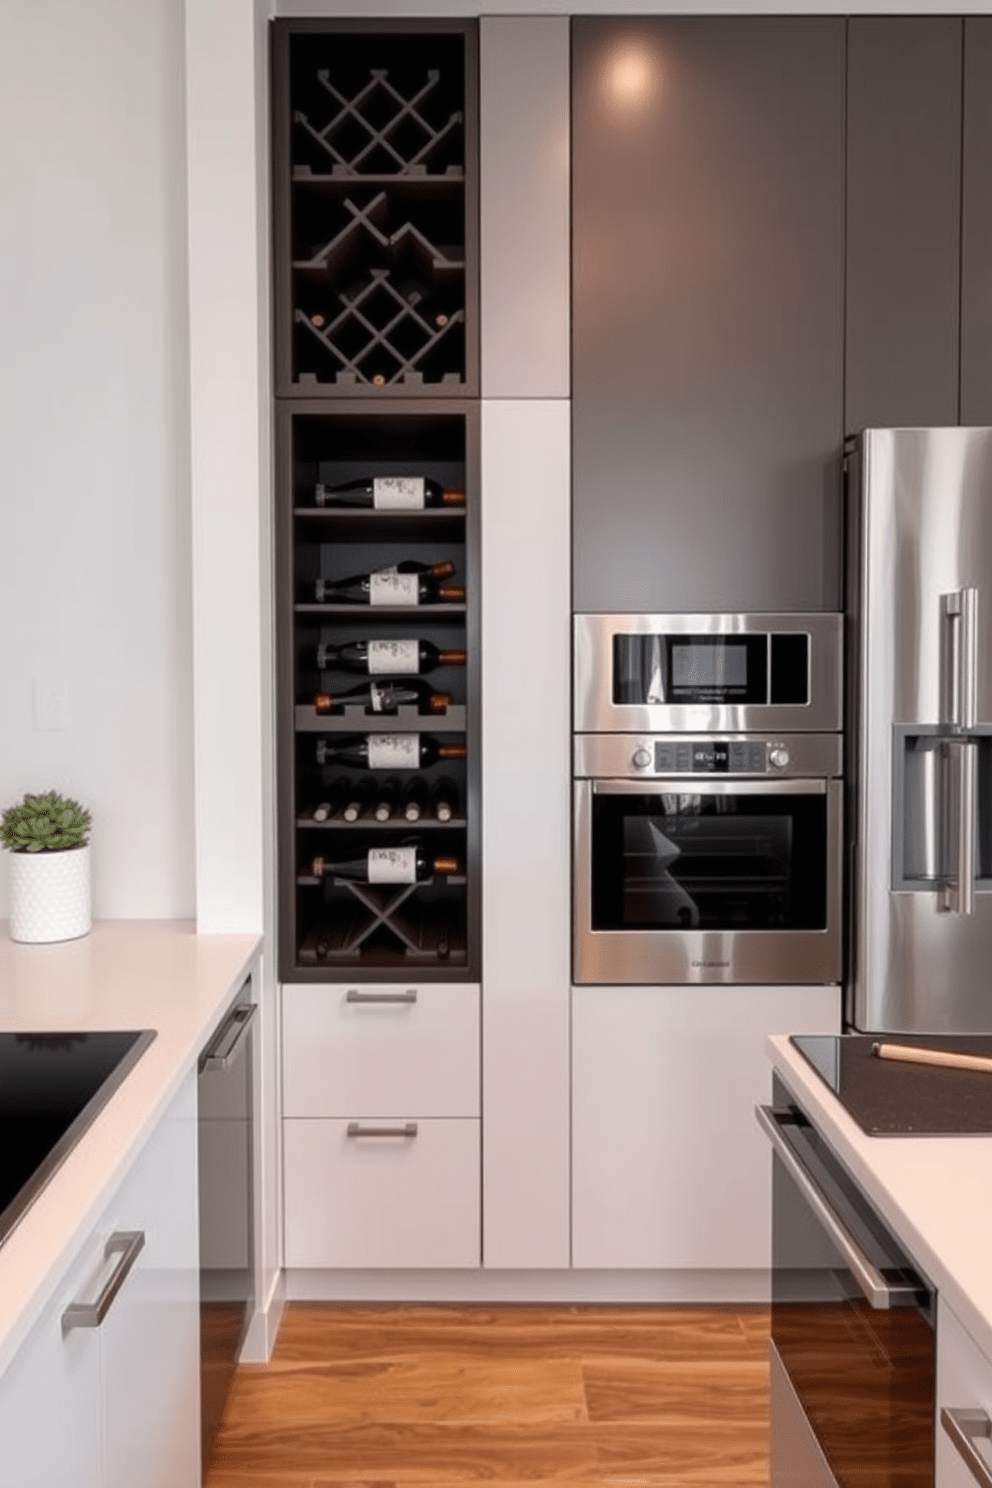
(378, 633)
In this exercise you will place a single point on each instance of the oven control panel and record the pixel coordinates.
(654, 756)
(709, 757)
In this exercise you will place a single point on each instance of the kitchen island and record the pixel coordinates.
(125, 975)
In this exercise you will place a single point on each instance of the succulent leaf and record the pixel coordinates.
(46, 822)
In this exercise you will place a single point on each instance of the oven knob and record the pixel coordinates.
(779, 758)
(640, 759)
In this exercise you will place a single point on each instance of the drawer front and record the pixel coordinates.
(392, 1201)
(964, 1386)
(361, 1051)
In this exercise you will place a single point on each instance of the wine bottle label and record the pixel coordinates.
(387, 587)
(402, 657)
(377, 698)
(392, 865)
(394, 751)
(398, 493)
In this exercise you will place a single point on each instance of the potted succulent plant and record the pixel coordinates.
(47, 837)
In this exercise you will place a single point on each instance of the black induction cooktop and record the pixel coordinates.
(890, 1099)
(52, 1085)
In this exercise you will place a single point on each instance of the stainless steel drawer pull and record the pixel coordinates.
(876, 1290)
(965, 1428)
(353, 995)
(128, 1244)
(356, 1129)
(224, 1049)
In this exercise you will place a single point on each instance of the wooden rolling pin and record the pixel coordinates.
(940, 1057)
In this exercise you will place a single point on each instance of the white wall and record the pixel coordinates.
(94, 445)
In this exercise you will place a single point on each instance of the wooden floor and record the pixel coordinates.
(621, 1397)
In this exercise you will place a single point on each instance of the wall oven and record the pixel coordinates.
(853, 1344)
(708, 801)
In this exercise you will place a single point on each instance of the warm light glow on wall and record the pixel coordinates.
(631, 76)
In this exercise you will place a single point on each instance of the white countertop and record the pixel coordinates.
(125, 974)
(935, 1192)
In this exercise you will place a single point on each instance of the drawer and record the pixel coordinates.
(391, 1201)
(964, 1386)
(359, 1051)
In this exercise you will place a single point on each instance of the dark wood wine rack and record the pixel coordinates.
(376, 208)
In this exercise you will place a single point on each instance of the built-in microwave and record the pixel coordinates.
(708, 673)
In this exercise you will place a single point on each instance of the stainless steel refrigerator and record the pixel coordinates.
(920, 730)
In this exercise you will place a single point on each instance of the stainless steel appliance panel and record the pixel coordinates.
(597, 711)
(776, 865)
(921, 613)
(634, 756)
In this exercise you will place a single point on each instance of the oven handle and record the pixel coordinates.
(965, 1427)
(879, 1292)
(693, 785)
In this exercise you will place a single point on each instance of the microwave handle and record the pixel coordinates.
(696, 785)
(877, 1291)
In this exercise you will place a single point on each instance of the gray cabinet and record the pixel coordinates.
(976, 225)
(903, 220)
(708, 214)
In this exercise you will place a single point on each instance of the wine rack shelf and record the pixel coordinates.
(376, 210)
(329, 924)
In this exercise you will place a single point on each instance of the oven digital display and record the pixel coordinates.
(710, 757)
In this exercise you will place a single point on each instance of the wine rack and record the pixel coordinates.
(331, 926)
(375, 173)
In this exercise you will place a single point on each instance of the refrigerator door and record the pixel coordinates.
(920, 608)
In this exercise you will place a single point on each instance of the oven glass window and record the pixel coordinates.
(699, 861)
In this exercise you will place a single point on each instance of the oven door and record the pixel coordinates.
(693, 880)
(852, 1353)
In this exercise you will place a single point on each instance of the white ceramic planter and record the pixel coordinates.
(49, 895)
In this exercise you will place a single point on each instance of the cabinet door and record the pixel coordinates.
(50, 1400)
(151, 1334)
(669, 1167)
(381, 1050)
(903, 220)
(964, 1384)
(359, 1199)
(707, 312)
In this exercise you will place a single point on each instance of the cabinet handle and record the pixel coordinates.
(965, 1427)
(877, 1291)
(128, 1245)
(353, 995)
(408, 1129)
(224, 1049)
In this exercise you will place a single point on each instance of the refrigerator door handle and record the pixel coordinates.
(959, 613)
(958, 894)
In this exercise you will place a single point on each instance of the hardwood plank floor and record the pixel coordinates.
(510, 1397)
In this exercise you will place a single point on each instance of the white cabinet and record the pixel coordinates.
(669, 1167)
(381, 1141)
(117, 1403)
(964, 1389)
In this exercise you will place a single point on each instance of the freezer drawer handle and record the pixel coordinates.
(877, 1291)
(965, 1428)
(128, 1245)
(223, 1051)
(356, 1129)
(353, 995)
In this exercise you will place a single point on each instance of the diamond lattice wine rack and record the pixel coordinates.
(375, 170)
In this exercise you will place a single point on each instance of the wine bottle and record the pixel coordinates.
(387, 798)
(444, 799)
(386, 697)
(414, 799)
(402, 584)
(387, 865)
(387, 751)
(380, 657)
(357, 797)
(389, 493)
